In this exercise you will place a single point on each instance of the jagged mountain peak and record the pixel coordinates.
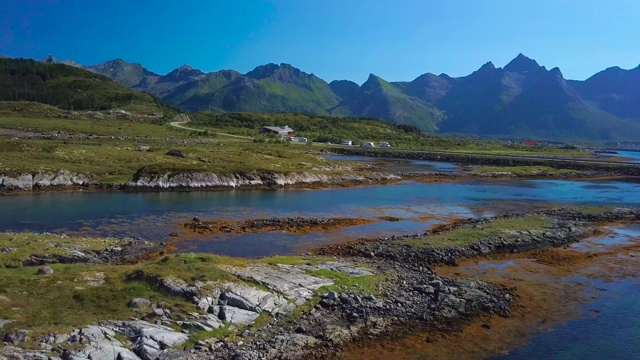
(183, 73)
(522, 64)
(50, 59)
(274, 70)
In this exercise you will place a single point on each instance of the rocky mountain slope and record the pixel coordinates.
(522, 100)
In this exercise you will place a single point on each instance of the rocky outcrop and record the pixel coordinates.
(122, 250)
(26, 182)
(599, 166)
(296, 225)
(208, 180)
(568, 226)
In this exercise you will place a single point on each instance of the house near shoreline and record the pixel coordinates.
(284, 131)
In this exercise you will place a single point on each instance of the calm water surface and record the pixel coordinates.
(615, 333)
(155, 215)
(633, 155)
(609, 326)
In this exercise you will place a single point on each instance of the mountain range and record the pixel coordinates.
(521, 100)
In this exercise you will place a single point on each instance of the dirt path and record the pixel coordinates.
(184, 119)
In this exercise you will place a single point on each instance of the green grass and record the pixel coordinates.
(523, 170)
(108, 127)
(64, 300)
(367, 284)
(469, 234)
(220, 333)
(113, 160)
(17, 247)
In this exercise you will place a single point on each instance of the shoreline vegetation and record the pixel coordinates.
(308, 306)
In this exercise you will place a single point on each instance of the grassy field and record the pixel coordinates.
(17, 247)
(113, 160)
(470, 234)
(78, 295)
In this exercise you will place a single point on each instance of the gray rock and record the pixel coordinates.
(106, 350)
(22, 182)
(331, 295)
(42, 180)
(165, 336)
(194, 325)
(237, 316)
(4, 323)
(347, 268)
(146, 348)
(212, 321)
(138, 303)
(45, 270)
(60, 338)
(171, 354)
(142, 148)
(17, 337)
(10, 352)
(249, 298)
(287, 280)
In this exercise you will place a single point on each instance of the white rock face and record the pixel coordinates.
(252, 299)
(22, 182)
(212, 180)
(27, 182)
(237, 316)
(289, 281)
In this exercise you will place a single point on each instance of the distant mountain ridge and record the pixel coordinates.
(522, 99)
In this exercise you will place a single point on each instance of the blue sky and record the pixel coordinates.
(334, 39)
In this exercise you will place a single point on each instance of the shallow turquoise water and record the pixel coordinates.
(399, 165)
(155, 215)
(614, 333)
(633, 155)
(609, 328)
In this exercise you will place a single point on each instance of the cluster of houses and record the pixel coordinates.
(525, 143)
(285, 132)
(288, 133)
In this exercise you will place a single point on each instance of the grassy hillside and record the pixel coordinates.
(66, 87)
(315, 128)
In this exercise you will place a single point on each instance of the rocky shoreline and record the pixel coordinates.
(296, 225)
(568, 226)
(310, 324)
(497, 160)
(65, 180)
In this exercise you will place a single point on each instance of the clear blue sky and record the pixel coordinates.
(334, 39)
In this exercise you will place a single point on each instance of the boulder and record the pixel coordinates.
(287, 280)
(138, 303)
(237, 316)
(17, 337)
(176, 153)
(171, 354)
(45, 270)
(249, 298)
(21, 182)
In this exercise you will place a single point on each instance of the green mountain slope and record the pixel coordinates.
(268, 88)
(64, 86)
(613, 90)
(380, 99)
(127, 74)
(523, 99)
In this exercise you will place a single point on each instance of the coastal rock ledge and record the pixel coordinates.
(26, 182)
(196, 180)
